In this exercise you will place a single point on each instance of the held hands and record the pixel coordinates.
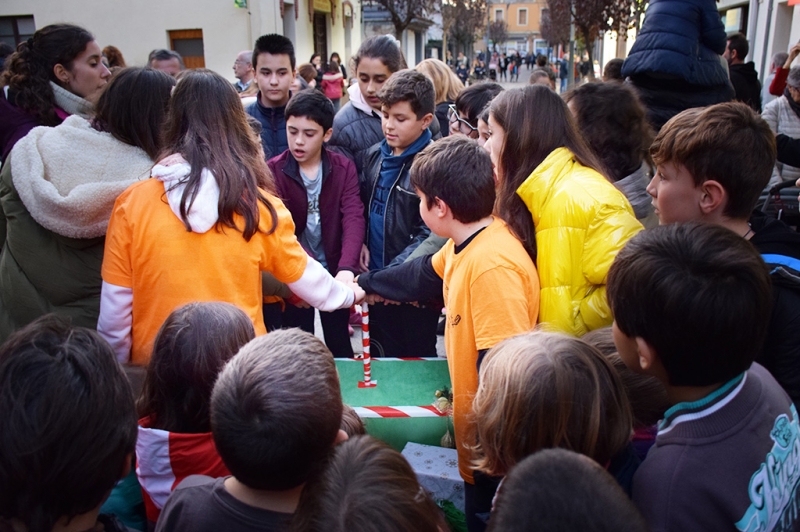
(358, 292)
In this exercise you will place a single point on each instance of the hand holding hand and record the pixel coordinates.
(345, 276)
(359, 293)
(373, 299)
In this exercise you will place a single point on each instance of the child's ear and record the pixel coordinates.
(327, 136)
(646, 353)
(426, 121)
(442, 208)
(341, 437)
(713, 198)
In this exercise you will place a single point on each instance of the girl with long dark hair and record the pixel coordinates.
(205, 228)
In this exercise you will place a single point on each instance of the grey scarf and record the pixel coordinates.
(71, 103)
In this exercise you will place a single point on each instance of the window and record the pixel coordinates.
(14, 30)
(188, 43)
(498, 15)
(522, 17)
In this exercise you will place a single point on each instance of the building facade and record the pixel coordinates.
(770, 26)
(208, 33)
(523, 18)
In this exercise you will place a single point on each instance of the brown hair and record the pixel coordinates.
(68, 425)
(728, 143)
(190, 349)
(385, 48)
(276, 410)
(133, 107)
(207, 125)
(352, 425)
(540, 390)
(614, 123)
(459, 172)
(536, 122)
(446, 84)
(307, 71)
(114, 57)
(369, 487)
(646, 394)
(557, 490)
(412, 87)
(29, 70)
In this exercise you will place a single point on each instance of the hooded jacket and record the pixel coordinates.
(164, 459)
(744, 79)
(779, 246)
(56, 206)
(340, 208)
(403, 228)
(273, 127)
(581, 222)
(149, 252)
(681, 38)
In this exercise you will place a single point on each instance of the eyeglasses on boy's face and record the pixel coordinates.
(464, 127)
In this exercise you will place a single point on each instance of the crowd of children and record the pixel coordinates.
(604, 376)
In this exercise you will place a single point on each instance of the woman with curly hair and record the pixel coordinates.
(56, 73)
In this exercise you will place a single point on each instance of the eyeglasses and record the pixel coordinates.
(237, 62)
(463, 126)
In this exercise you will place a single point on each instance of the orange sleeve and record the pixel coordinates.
(282, 255)
(116, 267)
(438, 260)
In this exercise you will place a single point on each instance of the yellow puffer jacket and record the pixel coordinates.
(581, 222)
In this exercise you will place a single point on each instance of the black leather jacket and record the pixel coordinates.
(403, 229)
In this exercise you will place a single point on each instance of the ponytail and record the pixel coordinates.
(29, 70)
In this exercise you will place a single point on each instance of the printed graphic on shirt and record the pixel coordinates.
(379, 200)
(773, 488)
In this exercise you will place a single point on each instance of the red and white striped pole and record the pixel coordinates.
(367, 382)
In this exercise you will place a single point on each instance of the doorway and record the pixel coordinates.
(321, 36)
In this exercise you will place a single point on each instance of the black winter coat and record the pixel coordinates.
(781, 355)
(404, 231)
(744, 79)
(682, 38)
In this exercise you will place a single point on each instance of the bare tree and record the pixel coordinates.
(592, 17)
(463, 21)
(498, 32)
(554, 25)
(403, 12)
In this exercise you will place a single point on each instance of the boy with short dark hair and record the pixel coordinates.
(394, 226)
(274, 65)
(68, 428)
(691, 305)
(555, 490)
(489, 282)
(275, 414)
(713, 164)
(320, 189)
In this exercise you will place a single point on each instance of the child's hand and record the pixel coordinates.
(373, 298)
(359, 293)
(364, 258)
(345, 276)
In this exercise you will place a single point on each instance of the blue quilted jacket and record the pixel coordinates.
(683, 38)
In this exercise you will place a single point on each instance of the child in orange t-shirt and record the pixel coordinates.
(489, 282)
(204, 228)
